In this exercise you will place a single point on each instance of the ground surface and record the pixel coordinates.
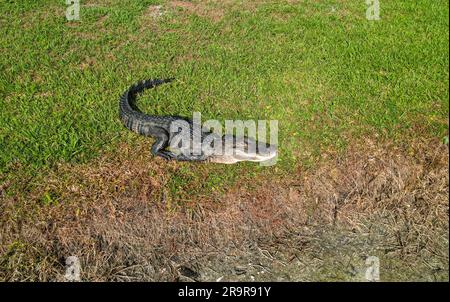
(363, 140)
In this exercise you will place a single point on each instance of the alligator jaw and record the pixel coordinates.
(233, 160)
(238, 152)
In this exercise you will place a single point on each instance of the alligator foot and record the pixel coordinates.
(166, 155)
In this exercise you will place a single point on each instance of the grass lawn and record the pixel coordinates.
(327, 76)
(331, 78)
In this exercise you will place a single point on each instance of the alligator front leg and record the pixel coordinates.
(161, 143)
(158, 148)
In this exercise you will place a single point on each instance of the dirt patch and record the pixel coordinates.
(150, 18)
(214, 9)
(202, 9)
(184, 5)
(154, 11)
(319, 224)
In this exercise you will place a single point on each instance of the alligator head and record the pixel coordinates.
(236, 149)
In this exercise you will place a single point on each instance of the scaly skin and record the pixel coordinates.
(159, 127)
(151, 125)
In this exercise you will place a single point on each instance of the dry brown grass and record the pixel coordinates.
(214, 10)
(202, 9)
(315, 225)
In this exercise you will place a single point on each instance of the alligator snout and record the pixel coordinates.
(238, 149)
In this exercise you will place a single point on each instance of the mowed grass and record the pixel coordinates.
(322, 69)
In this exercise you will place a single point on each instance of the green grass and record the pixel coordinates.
(331, 77)
(328, 77)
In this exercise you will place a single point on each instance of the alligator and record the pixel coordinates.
(161, 128)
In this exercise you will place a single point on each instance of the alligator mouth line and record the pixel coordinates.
(161, 128)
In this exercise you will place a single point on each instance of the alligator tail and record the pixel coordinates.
(129, 114)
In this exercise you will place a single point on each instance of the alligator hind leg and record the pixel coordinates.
(159, 146)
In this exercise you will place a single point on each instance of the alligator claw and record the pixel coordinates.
(166, 155)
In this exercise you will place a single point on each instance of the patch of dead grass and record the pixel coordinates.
(201, 9)
(214, 10)
(318, 224)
